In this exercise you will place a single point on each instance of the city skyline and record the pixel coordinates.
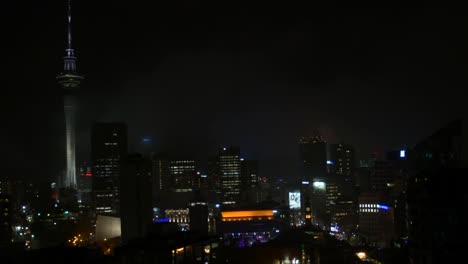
(201, 131)
(226, 83)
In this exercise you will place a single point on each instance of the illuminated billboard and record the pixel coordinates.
(294, 200)
(319, 185)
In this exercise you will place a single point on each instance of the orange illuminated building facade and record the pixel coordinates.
(250, 215)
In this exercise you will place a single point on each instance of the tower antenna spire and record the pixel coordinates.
(69, 60)
(69, 39)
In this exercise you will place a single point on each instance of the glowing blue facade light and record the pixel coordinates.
(384, 207)
(402, 153)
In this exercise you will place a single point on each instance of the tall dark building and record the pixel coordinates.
(230, 174)
(341, 159)
(108, 146)
(85, 178)
(69, 80)
(161, 175)
(249, 173)
(213, 174)
(382, 176)
(199, 218)
(6, 211)
(436, 195)
(313, 150)
(135, 197)
(184, 176)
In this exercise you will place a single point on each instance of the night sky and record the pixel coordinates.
(198, 75)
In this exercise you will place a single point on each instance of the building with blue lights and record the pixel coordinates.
(376, 220)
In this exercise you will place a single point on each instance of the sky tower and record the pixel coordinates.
(69, 80)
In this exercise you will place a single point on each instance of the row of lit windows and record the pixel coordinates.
(183, 167)
(231, 184)
(104, 195)
(182, 161)
(369, 210)
(369, 205)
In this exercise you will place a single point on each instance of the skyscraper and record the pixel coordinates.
(313, 152)
(341, 159)
(69, 80)
(108, 147)
(161, 175)
(230, 172)
(184, 177)
(249, 173)
(135, 204)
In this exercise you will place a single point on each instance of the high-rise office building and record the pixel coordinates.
(376, 220)
(249, 173)
(108, 146)
(341, 159)
(436, 195)
(230, 174)
(69, 80)
(85, 178)
(313, 151)
(341, 203)
(213, 175)
(382, 176)
(184, 176)
(161, 176)
(135, 197)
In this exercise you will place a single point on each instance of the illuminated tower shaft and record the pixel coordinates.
(70, 113)
(69, 80)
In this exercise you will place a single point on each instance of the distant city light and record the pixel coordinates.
(305, 182)
(384, 207)
(67, 212)
(329, 162)
(402, 153)
(224, 148)
(319, 185)
(361, 255)
(217, 205)
(88, 174)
